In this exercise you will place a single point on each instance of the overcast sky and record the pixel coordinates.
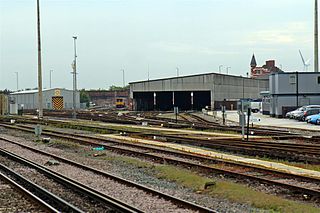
(195, 35)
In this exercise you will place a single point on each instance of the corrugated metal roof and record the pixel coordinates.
(34, 91)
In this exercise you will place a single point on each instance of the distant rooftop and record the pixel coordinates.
(187, 76)
(34, 91)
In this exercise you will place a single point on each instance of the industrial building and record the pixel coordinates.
(53, 99)
(195, 92)
(291, 90)
(105, 98)
(4, 104)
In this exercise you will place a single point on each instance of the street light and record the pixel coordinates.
(40, 107)
(228, 70)
(123, 81)
(51, 71)
(316, 45)
(74, 66)
(17, 78)
(220, 67)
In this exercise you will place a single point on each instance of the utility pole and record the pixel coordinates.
(220, 67)
(228, 70)
(123, 81)
(74, 66)
(17, 78)
(316, 50)
(148, 72)
(51, 78)
(40, 107)
(177, 69)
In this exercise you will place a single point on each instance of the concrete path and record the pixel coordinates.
(203, 152)
(266, 120)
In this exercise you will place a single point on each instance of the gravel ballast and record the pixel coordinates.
(136, 174)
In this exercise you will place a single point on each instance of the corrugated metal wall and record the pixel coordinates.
(3, 104)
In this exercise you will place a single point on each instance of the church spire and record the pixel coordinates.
(253, 61)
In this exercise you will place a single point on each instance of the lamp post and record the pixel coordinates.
(40, 107)
(74, 66)
(123, 81)
(220, 67)
(316, 50)
(228, 70)
(17, 79)
(51, 71)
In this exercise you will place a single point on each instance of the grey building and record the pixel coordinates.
(291, 90)
(55, 98)
(195, 92)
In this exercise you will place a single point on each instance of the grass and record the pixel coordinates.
(222, 189)
(233, 191)
(63, 144)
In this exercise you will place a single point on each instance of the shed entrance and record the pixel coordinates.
(57, 103)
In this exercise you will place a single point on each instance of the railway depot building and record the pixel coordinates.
(53, 99)
(195, 92)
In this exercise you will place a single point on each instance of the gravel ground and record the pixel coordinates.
(143, 176)
(82, 202)
(127, 194)
(12, 201)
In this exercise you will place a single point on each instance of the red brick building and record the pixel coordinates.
(105, 98)
(265, 70)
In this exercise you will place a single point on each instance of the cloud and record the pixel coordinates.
(186, 48)
(296, 32)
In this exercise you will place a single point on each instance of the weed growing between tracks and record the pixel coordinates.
(223, 189)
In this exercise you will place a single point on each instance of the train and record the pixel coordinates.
(120, 103)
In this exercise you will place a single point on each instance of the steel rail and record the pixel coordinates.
(42, 204)
(78, 137)
(56, 203)
(170, 123)
(310, 152)
(111, 202)
(309, 191)
(173, 199)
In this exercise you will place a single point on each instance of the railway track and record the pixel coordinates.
(179, 202)
(38, 204)
(201, 124)
(294, 183)
(73, 196)
(289, 151)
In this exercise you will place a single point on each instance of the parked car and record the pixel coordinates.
(255, 106)
(313, 119)
(307, 112)
(298, 112)
(291, 114)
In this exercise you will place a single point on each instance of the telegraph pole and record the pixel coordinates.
(74, 66)
(123, 81)
(220, 67)
(17, 78)
(316, 50)
(51, 78)
(40, 107)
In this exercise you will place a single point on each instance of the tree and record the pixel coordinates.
(116, 88)
(84, 97)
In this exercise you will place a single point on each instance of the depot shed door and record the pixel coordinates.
(57, 103)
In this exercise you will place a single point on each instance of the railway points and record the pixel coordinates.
(186, 148)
